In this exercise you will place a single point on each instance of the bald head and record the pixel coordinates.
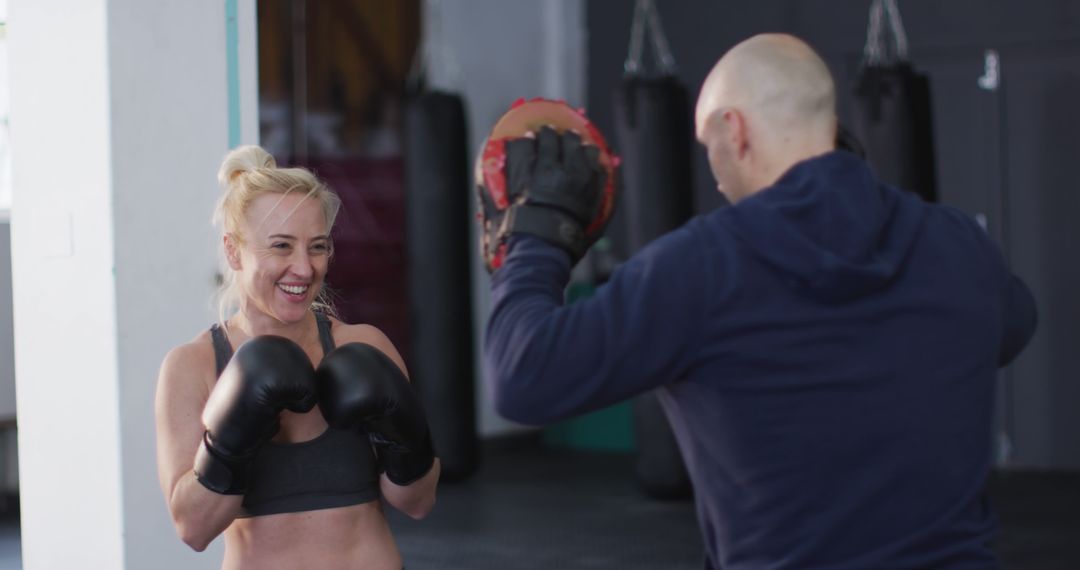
(776, 77)
(771, 96)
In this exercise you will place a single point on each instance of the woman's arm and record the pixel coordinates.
(199, 514)
(415, 499)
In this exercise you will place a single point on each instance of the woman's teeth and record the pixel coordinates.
(293, 289)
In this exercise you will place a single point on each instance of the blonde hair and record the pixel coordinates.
(247, 173)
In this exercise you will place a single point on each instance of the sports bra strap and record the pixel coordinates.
(325, 337)
(222, 349)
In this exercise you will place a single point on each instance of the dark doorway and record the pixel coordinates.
(331, 80)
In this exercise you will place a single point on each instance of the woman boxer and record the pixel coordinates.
(280, 445)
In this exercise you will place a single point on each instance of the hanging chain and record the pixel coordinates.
(879, 50)
(646, 14)
(659, 41)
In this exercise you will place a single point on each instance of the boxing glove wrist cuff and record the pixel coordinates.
(406, 467)
(220, 472)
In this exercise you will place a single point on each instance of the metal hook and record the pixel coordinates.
(991, 76)
(876, 51)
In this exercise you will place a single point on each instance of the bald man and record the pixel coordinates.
(825, 347)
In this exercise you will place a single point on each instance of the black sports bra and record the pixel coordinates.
(336, 469)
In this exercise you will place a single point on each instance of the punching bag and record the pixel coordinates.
(440, 295)
(892, 107)
(653, 130)
(652, 127)
(654, 133)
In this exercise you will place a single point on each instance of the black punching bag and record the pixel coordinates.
(440, 295)
(893, 122)
(652, 127)
(653, 130)
(892, 107)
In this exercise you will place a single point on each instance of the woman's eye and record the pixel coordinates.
(280, 245)
(320, 248)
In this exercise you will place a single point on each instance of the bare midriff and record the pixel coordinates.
(342, 538)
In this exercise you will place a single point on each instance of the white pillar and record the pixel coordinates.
(119, 119)
(7, 339)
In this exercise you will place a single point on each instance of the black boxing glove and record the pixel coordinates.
(266, 375)
(556, 185)
(361, 388)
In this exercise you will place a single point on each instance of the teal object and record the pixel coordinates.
(579, 290)
(609, 429)
(232, 71)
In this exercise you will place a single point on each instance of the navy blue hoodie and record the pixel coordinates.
(825, 350)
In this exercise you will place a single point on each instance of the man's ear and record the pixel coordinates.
(232, 251)
(737, 131)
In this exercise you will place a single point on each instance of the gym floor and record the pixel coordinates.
(532, 507)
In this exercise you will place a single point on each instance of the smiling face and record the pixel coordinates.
(280, 255)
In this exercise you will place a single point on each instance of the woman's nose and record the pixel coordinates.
(302, 265)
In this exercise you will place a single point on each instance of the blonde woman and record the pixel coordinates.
(281, 426)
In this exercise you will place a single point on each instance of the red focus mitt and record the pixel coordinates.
(544, 170)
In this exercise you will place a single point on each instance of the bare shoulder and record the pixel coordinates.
(367, 334)
(345, 333)
(189, 366)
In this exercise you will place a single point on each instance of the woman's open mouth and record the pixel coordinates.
(293, 292)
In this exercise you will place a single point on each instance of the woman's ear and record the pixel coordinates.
(232, 251)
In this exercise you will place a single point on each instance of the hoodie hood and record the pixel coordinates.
(830, 226)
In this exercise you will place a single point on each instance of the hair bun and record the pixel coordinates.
(241, 160)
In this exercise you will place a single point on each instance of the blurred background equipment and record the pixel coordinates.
(892, 106)
(654, 134)
(437, 248)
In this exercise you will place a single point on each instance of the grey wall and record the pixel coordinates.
(1006, 154)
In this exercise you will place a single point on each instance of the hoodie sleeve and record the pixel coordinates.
(546, 361)
(1020, 319)
(1018, 311)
